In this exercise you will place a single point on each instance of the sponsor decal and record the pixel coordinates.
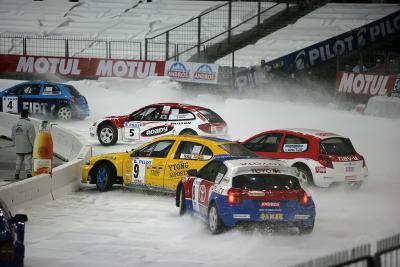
(301, 217)
(294, 147)
(270, 204)
(348, 158)
(181, 123)
(85, 67)
(259, 164)
(204, 73)
(364, 84)
(350, 169)
(324, 134)
(320, 169)
(350, 178)
(241, 216)
(340, 44)
(178, 166)
(159, 130)
(258, 171)
(271, 217)
(203, 193)
(178, 70)
(192, 72)
(35, 107)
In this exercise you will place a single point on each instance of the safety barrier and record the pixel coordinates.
(387, 255)
(64, 179)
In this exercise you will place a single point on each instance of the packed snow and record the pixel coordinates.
(128, 228)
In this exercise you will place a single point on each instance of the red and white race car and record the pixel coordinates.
(321, 157)
(157, 120)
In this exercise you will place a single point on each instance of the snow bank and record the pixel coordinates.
(383, 106)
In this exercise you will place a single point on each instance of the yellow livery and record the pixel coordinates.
(159, 164)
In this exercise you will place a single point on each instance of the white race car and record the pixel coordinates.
(157, 120)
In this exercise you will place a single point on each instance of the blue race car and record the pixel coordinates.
(45, 98)
(12, 232)
(227, 192)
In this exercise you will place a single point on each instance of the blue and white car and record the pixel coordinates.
(228, 191)
(41, 98)
(12, 232)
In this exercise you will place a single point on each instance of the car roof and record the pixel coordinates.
(179, 105)
(40, 82)
(194, 138)
(257, 165)
(320, 134)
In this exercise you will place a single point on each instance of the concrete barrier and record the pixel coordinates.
(64, 179)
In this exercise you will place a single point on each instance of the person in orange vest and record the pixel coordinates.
(23, 135)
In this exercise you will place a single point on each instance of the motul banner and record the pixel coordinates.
(364, 84)
(85, 67)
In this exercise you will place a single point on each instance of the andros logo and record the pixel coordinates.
(178, 70)
(204, 72)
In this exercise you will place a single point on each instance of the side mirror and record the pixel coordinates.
(192, 172)
(20, 218)
(134, 153)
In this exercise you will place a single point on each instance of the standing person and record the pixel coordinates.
(23, 135)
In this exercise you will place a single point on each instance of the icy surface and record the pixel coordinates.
(123, 228)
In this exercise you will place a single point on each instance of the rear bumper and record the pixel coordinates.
(332, 176)
(81, 113)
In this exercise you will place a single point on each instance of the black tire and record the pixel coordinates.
(214, 220)
(182, 202)
(64, 113)
(107, 134)
(104, 176)
(354, 185)
(187, 132)
(305, 230)
(305, 178)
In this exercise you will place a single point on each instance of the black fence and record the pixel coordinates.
(70, 47)
(387, 255)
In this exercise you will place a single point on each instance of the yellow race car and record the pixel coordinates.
(160, 164)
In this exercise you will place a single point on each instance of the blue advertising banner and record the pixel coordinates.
(340, 44)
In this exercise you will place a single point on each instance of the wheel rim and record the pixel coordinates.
(303, 179)
(213, 218)
(106, 135)
(64, 113)
(101, 176)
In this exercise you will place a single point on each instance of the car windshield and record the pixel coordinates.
(238, 150)
(72, 90)
(210, 115)
(337, 146)
(265, 182)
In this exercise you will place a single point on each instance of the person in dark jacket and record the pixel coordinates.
(23, 135)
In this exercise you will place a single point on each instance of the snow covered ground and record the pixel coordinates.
(123, 228)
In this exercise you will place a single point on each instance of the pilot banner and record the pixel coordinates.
(340, 44)
(84, 67)
(364, 84)
(192, 72)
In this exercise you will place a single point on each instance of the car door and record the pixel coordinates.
(147, 123)
(23, 96)
(203, 185)
(188, 155)
(148, 164)
(266, 145)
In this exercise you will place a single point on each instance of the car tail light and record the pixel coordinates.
(6, 250)
(362, 158)
(234, 196)
(303, 197)
(324, 160)
(206, 127)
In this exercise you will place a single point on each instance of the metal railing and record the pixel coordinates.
(211, 27)
(387, 255)
(70, 47)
